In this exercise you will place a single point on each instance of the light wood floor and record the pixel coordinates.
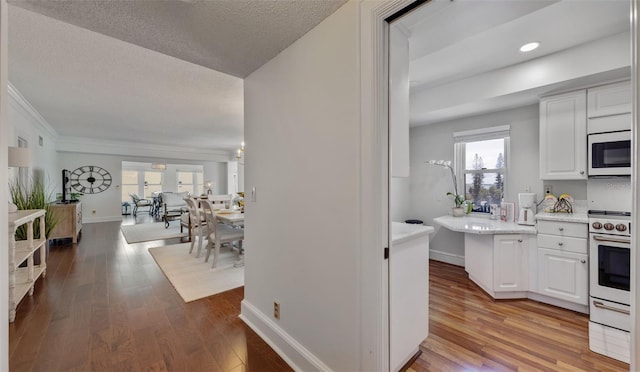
(106, 306)
(469, 331)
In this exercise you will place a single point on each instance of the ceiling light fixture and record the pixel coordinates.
(160, 166)
(529, 46)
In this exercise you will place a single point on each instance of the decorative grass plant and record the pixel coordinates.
(32, 195)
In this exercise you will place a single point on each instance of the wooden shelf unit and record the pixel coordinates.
(22, 279)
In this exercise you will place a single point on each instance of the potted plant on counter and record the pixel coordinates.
(458, 200)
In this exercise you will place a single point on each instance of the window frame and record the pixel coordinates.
(460, 144)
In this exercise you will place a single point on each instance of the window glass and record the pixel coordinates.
(129, 184)
(152, 183)
(484, 173)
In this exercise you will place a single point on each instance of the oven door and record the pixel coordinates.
(610, 268)
(610, 154)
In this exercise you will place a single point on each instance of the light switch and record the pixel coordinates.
(253, 194)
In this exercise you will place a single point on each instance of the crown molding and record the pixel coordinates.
(18, 101)
(126, 148)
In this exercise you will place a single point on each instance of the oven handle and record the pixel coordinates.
(622, 241)
(600, 305)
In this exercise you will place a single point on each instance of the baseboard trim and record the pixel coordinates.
(446, 257)
(102, 219)
(558, 302)
(293, 353)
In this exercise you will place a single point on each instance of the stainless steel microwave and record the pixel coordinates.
(609, 144)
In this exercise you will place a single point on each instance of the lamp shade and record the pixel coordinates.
(19, 157)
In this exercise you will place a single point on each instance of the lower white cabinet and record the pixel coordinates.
(499, 264)
(563, 275)
(563, 261)
(510, 258)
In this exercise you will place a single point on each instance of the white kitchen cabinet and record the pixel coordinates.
(563, 261)
(22, 279)
(499, 264)
(610, 99)
(563, 136)
(563, 275)
(511, 262)
(399, 102)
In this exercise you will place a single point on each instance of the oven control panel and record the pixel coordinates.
(611, 227)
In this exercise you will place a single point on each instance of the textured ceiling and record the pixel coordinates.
(155, 72)
(231, 36)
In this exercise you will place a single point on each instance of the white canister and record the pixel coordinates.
(494, 210)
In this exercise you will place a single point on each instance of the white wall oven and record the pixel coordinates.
(610, 146)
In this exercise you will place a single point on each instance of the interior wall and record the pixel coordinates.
(4, 211)
(25, 122)
(429, 184)
(301, 119)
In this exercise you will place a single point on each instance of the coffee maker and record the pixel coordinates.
(527, 204)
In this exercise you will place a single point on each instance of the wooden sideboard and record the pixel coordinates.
(69, 221)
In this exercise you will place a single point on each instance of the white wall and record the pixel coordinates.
(26, 122)
(4, 234)
(429, 184)
(301, 117)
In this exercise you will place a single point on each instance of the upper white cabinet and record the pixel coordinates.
(610, 99)
(399, 103)
(563, 136)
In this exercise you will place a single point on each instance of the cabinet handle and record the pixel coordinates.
(561, 228)
(561, 244)
(601, 305)
(581, 172)
(583, 261)
(519, 240)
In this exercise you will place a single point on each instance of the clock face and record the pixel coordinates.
(90, 179)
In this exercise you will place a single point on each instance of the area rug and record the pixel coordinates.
(193, 278)
(150, 231)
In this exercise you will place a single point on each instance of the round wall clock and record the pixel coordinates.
(90, 179)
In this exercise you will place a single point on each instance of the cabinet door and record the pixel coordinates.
(510, 263)
(610, 99)
(563, 136)
(563, 275)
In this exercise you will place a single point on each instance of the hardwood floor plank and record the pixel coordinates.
(470, 331)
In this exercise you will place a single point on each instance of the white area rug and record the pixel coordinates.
(151, 231)
(192, 277)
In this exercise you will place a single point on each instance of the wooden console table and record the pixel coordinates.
(69, 221)
(22, 279)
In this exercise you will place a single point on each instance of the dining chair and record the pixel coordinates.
(219, 233)
(196, 222)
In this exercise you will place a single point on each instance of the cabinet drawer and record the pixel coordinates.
(563, 243)
(573, 229)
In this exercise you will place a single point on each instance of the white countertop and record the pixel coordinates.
(580, 217)
(481, 225)
(401, 232)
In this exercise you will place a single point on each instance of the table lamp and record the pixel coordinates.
(19, 157)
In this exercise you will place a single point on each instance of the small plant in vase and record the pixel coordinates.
(458, 200)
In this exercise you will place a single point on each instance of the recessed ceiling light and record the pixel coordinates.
(529, 46)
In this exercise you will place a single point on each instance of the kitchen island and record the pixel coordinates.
(496, 253)
(408, 290)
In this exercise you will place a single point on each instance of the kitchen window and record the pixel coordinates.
(481, 165)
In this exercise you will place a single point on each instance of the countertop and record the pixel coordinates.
(481, 225)
(580, 217)
(401, 232)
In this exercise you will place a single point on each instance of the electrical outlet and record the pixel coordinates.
(527, 189)
(547, 189)
(276, 310)
(93, 211)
